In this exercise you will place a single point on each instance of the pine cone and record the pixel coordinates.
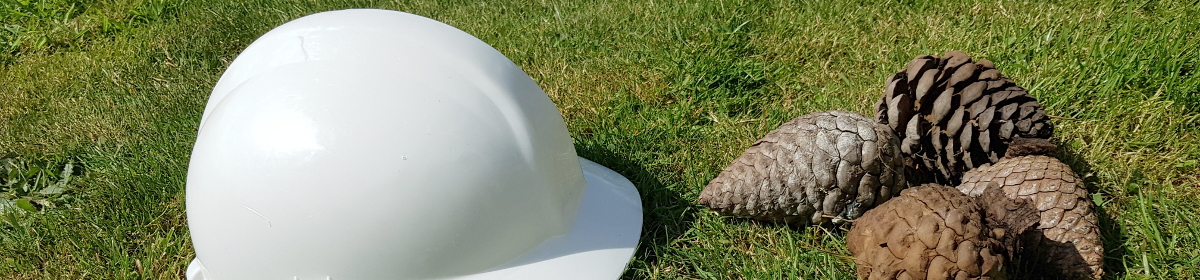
(821, 165)
(1066, 241)
(928, 232)
(952, 114)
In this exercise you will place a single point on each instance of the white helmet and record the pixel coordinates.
(374, 144)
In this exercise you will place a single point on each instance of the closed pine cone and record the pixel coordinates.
(953, 114)
(821, 165)
(1065, 243)
(928, 232)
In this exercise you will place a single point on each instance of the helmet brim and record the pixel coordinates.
(600, 244)
(602, 239)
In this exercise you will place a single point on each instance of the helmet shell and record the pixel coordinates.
(372, 144)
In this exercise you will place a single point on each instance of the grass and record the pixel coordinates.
(664, 92)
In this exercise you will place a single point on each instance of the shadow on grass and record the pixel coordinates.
(1110, 230)
(666, 214)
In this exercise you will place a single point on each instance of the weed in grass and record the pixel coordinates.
(35, 187)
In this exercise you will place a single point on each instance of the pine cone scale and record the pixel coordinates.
(973, 92)
(919, 65)
(954, 59)
(962, 74)
(941, 107)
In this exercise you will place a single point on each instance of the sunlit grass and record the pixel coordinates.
(665, 92)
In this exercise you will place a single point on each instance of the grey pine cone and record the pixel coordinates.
(928, 232)
(1065, 241)
(953, 114)
(821, 165)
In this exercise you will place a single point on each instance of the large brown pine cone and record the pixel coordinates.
(928, 232)
(953, 114)
(1065, 243)
(821, 165)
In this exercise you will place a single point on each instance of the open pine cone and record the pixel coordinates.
(1065, 242)
(953, 114)
(821, 165)
(928, 232)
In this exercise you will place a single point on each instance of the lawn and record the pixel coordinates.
(665, 92)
